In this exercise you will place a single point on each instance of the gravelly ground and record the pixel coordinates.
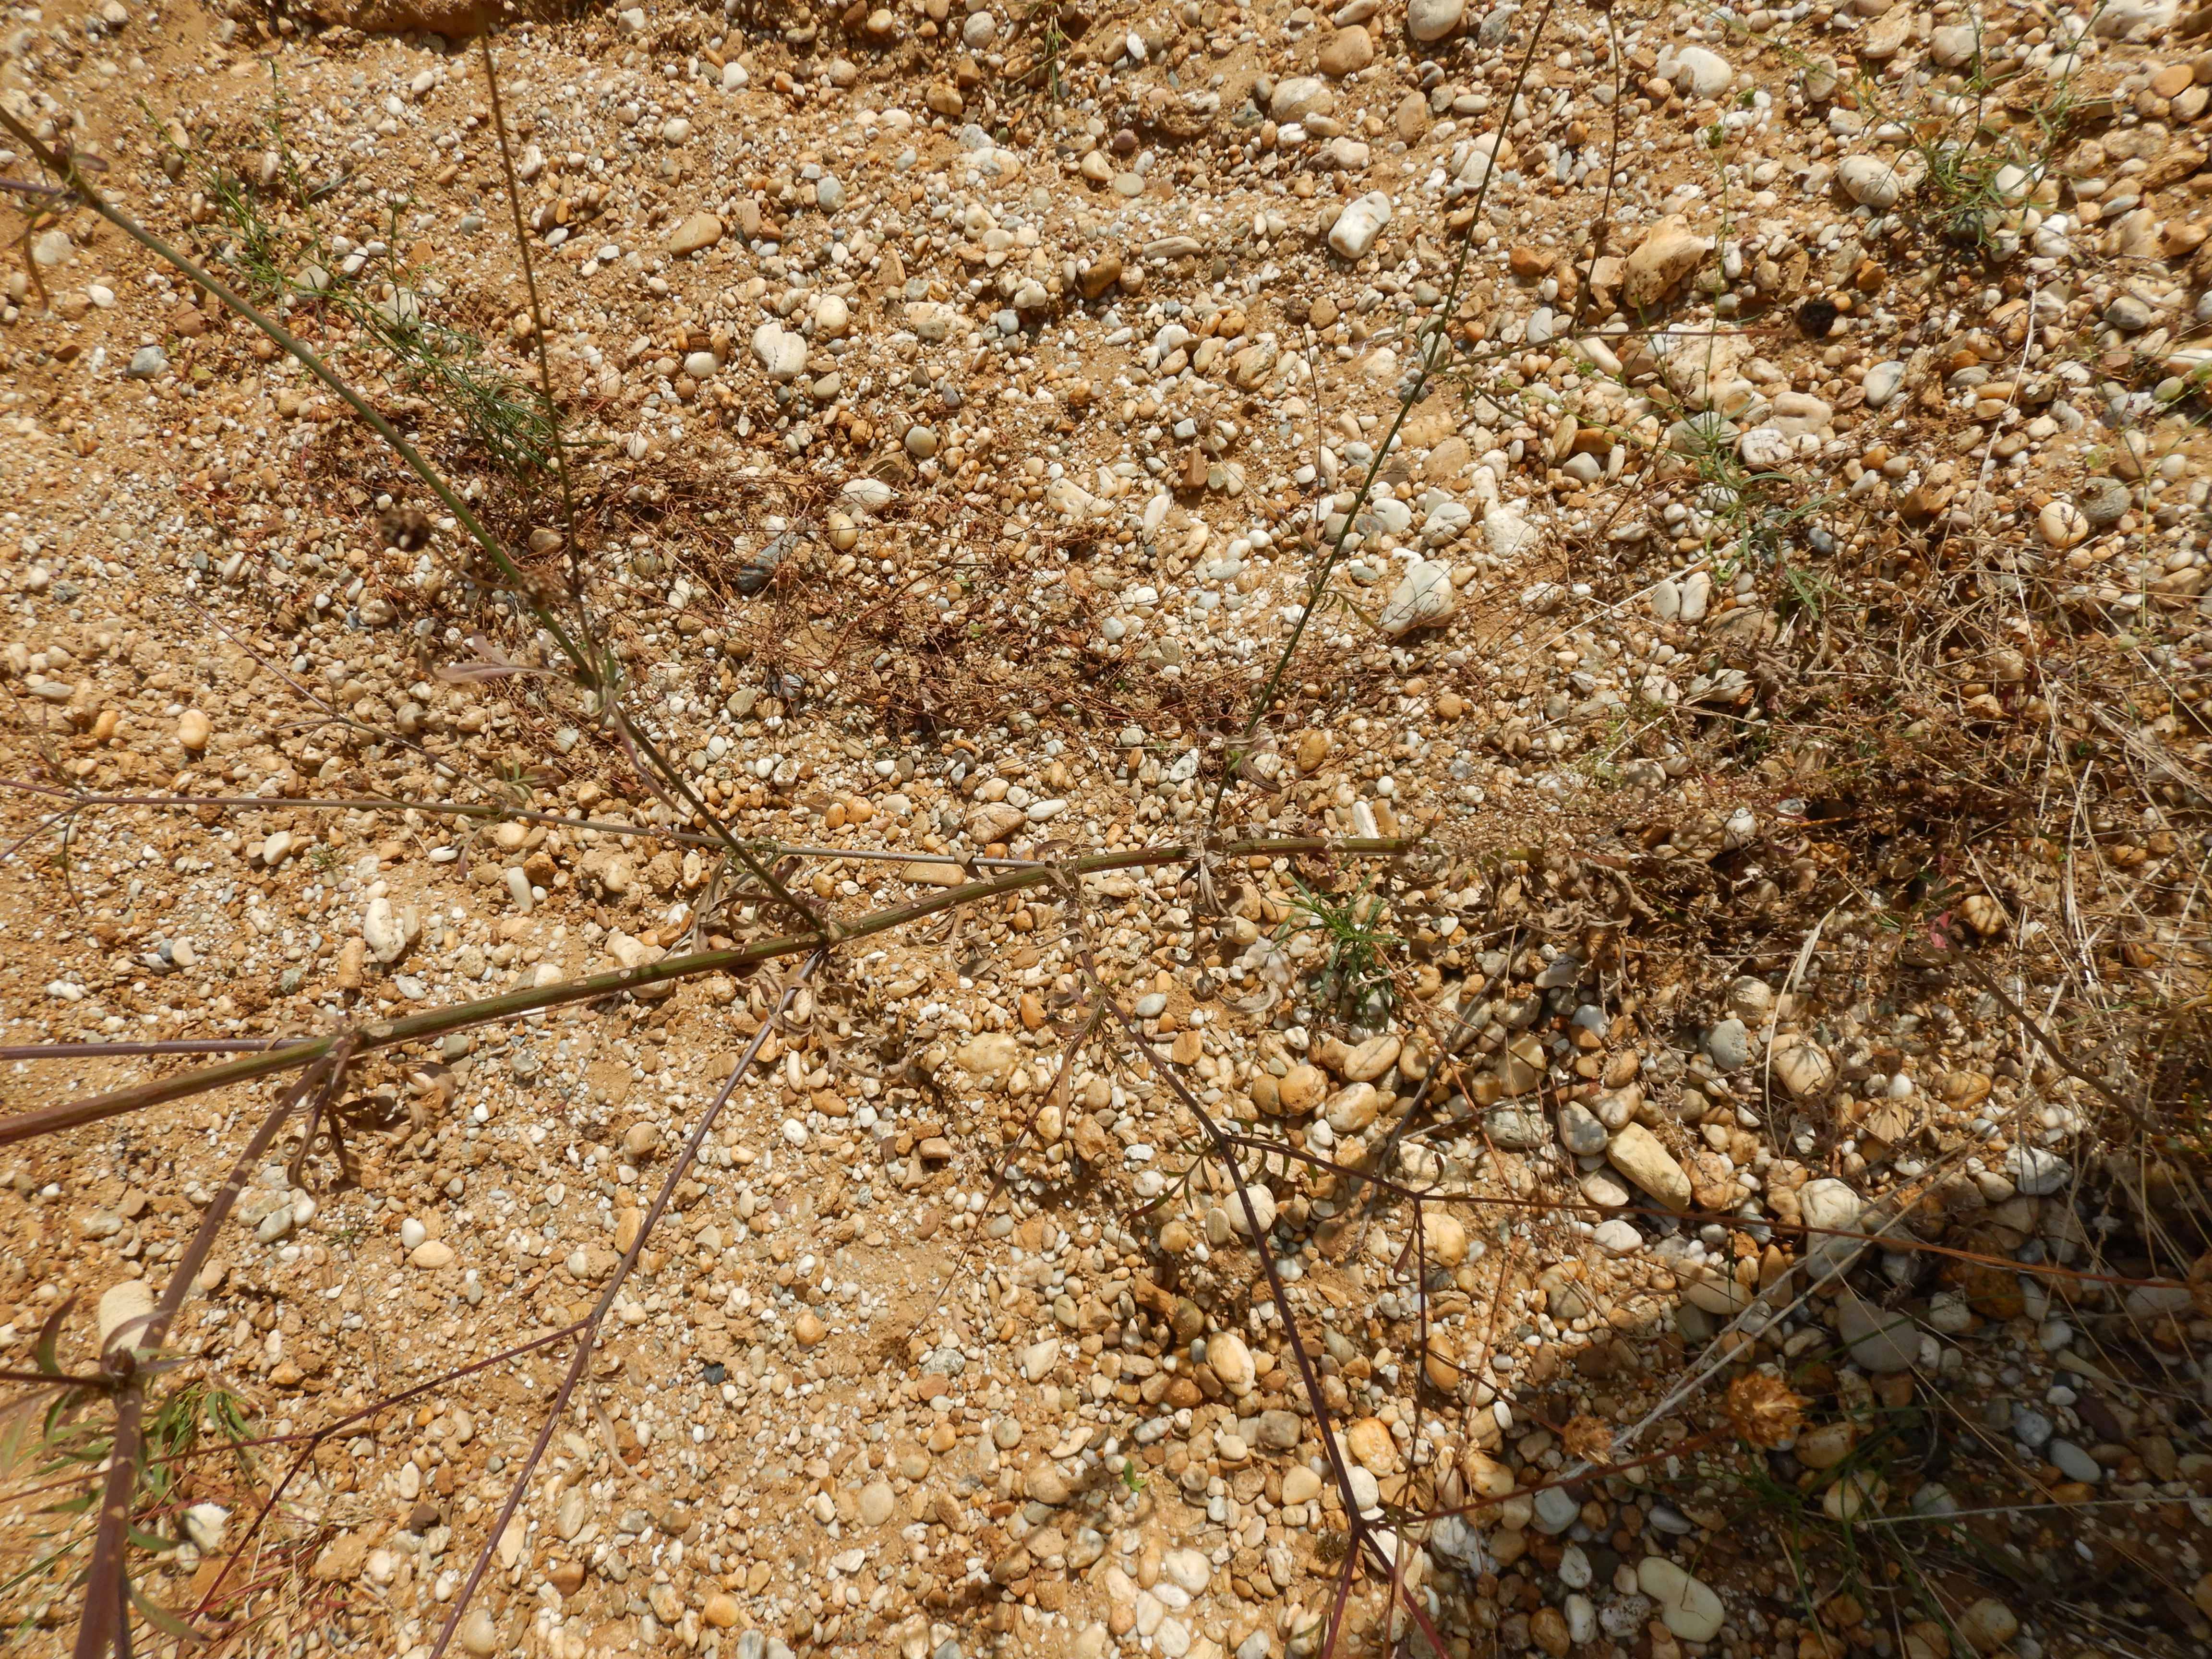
(1770, 609)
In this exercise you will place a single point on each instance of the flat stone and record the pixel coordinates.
(1825, 1446)
(1580, 1132)
(1299, 96)
(1347, 53)
(1557, 1509)
(1372, 1058)
(1604, 1188)
(1638, 1154)
(1101, 274)
(1802, 1064)
(992, 1055)
(1988, 1626)
(2072, 1462)
(1430, 20)
(1728, 1045)
(781, 353)
(1231, 1361)
(1689, 1607)
(1516, 1128)
(1618, 1235)
(124, 1307)
(1953, 45)
(1669, 251)
(1423, 599)
(1829, 1203)
(2037, 1171)
(1702, 73)
(1188, 1569)
(1875, 181)
(1301, 1089)
(1885, 35)
(699, 231)
(1359, 224)
(1369, 1442)
(1879, 1340)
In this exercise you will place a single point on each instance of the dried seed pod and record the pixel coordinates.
(1983, 914)
(1764, 1410)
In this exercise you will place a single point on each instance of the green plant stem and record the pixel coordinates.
(386, 1034)
(537, 320)
(588, 671)
(64, 168)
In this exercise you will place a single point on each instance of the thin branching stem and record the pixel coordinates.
(537, 324)
(486, 812)
(1361, 1534)
(73, 1051)
(386, 1034)
(590, 672)
(309, 1441)
(63, 166)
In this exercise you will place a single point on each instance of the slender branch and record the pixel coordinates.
(589, 671)
(136, 1050)
(490, 813)
(1429, 341)
(663, 779)
(1981, 976)
(386, 1034)
(537, 316)
(63, 166)
(308, 1442)
(670, 775)
(1361, 1535)
(1276, 1293)
(55, 1379)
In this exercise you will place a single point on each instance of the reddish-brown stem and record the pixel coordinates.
(484, 812)
(55, 1379)
(316, 1438)
(105, 1623)
(589, 1335)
